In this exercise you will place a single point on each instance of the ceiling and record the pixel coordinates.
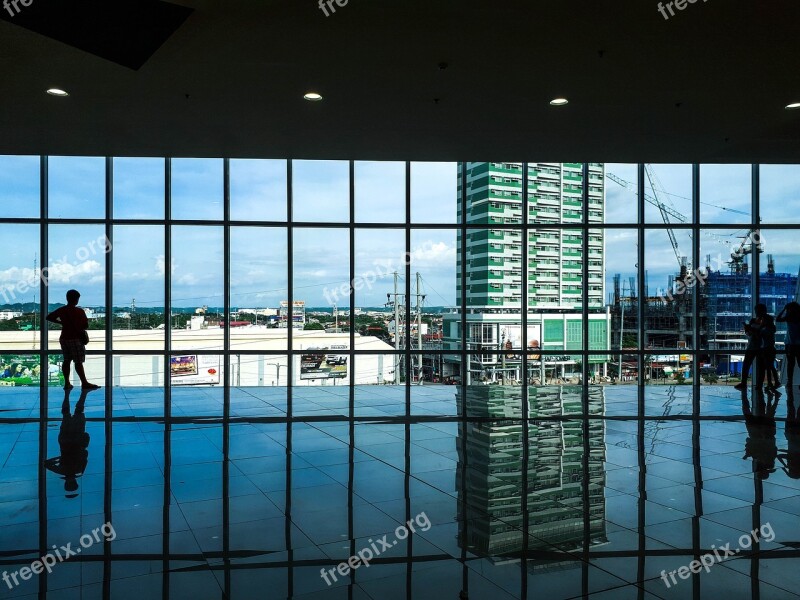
(412, 79)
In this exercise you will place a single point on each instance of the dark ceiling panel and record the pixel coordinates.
(443, 80)
(127, 32)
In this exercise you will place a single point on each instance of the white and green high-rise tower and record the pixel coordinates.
(554, 271)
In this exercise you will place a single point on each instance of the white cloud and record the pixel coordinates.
(65, 273)
(187, 279)
(433, 253)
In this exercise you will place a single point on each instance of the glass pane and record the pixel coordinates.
(321, 377)
(434, 192)
(20, 369)
(622, 287)
(138, 385)
(145, 450)
(321, 267)
(670, 285)
(668, 391)
(196, 486)
(621, 198)
(138, 188)
(380, 192)
(20, 377)
(379, 254)
(719, 372)
(728, 257)
(138, 304)
(78, 261)
(19, 286)
(429, 395)
(74, 462)
(433, 256)
(197, 382)
(778, 268)
(668, 194)
(259, 283)
(780, 193)
(197, 287)
(94, 403)
(376, 392)
(259, 385)
(19, 186)
(76, 187)
(725, 193)
(197, 188)
(545, 194)
(258, 190)
(321, 190)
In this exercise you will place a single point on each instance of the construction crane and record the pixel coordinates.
(654, 182)
(666, 211)
(745, 248)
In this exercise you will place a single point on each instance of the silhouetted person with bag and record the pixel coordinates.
(73, 338)
(73, 443)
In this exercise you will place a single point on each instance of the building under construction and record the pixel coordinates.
(725, 303)
(724, 300)
(669, 321)
(730, 302)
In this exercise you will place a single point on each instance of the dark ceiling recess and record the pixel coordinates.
(127, 32)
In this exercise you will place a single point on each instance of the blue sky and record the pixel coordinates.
(321, 254)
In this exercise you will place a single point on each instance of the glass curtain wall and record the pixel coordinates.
(392, 309)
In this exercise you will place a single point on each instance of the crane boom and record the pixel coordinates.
(630, 186)
(651, 177)
(665, 210)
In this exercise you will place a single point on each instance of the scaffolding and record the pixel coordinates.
(669, 321)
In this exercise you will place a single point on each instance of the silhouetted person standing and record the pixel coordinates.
(766, 353)
(73, 338)
(752, 330)
(791, 316)
(73, 443)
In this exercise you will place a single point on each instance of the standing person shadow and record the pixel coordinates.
(791, 458)
(760, 445)
(73, 442)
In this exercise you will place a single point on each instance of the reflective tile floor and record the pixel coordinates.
(450, 503)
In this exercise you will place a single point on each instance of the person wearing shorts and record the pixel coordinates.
(74, 324)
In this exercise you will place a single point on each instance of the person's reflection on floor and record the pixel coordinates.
(73, 442)
(791, 458)
(760, 445)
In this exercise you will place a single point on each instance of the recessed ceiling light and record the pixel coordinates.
(313, 96)
(559, 102)
(793, 106)
(57, 92)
